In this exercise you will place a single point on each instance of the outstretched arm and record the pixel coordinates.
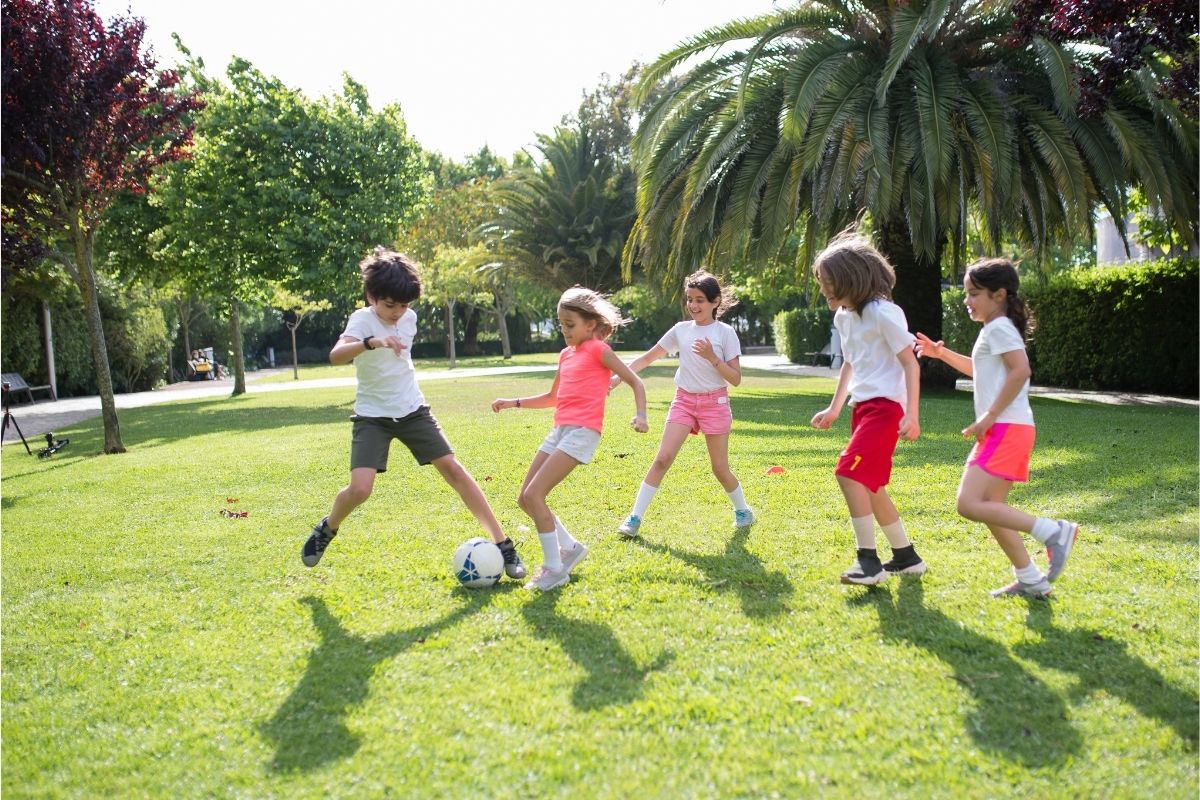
(547, 400)
(638, 364)
(930, 349)
(626, 373)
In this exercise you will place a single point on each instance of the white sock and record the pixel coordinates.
(550, 557)
(864, 531)
(565, 540)
(1029, 573)
(1044, 529)
(896, 535)
(644, 496)
(739, 502)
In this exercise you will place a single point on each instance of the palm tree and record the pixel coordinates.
(922, 113)
(565, 220)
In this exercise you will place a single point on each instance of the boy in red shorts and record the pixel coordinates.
(881, 378)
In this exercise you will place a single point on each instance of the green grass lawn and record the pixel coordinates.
(318, 371)
(155, 648)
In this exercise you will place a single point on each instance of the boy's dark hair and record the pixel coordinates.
(711, 288)
(857, 271)
(388, 275)
(994, 274)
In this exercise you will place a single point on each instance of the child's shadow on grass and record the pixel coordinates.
(309, 729)
(1016, 714)
(762, 593)
(1105, 664)
(613, 677)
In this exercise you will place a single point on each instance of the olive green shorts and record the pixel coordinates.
(419, 432)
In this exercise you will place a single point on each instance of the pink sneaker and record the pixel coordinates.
(547, 579)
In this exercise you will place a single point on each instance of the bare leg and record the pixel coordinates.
(547, 471)
(981, 498)
(674, 435)
(858, 497)
(456, 475)
(718, 455)
(362, 481)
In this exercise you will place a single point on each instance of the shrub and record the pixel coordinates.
(801, 332)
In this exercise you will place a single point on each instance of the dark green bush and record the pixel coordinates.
(801, 332)
(1129, 328)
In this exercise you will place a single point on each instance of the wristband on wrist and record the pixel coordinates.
(517, 402)
(367, 343)
(640, 415)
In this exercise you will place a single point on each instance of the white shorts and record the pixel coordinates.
(578, 442)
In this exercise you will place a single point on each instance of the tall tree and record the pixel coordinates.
(919, 112)
(86, 115)
(564, 221)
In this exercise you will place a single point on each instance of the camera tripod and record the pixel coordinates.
(9, 418)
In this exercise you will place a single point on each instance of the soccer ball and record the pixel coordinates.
(477, 563)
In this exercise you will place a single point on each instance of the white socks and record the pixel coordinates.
(896, 535)
(1044, 529)
(550, 557)
(565, 540)
(644, 496)
(739, 502)
(864, 531)
(1029, 573)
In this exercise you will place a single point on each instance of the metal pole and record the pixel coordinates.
(49, 349)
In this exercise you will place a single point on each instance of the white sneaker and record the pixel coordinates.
(630, 526)
(744, 518)
(547, 579)
(1018, 589)
(573, 556)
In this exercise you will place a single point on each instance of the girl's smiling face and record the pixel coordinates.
(700, 307)
(388, 311)
(983, 305)
(576, 329)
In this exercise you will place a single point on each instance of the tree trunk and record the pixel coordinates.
(86, 278)
(185, 329)
(235, 336)
(49, 330)
(471, 332)
(918, 291)
(295, 355)
(450, 332)
(502, 326)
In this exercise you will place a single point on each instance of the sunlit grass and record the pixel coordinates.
(154, 647)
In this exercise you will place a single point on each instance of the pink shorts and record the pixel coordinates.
(707, 413)
(874, 431)
(1004, 451)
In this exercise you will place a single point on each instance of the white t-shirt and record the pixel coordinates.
(998, 337)
(387, 383)
(870, 342)
(695, 374)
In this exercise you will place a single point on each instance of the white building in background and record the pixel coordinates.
(1111, 250)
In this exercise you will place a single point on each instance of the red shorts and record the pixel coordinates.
(874, 431)
(707, 413)
(1004, 451)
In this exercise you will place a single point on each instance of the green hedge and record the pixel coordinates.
(1129, 328)
(802, 332)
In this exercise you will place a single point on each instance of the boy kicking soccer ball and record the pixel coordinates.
(389, 405)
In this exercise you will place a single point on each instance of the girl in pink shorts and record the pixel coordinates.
(1003, 429)
(709, 358)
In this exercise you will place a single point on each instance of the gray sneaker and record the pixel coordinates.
(744, 519)
(1059, 547)
(514, 567)
(630, 526)
(1041, 589)
(573, 556)
(547, 579)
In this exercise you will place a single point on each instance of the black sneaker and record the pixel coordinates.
(314, 548)
(866, 571)
(905, 561)
(513, 566)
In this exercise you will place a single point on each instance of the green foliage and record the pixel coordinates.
(959, 331)
(1130, 328)
(202, 660)
(801, 332)
(650, 313)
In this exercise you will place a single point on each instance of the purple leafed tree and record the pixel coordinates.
(86, 115)
(1128, 33)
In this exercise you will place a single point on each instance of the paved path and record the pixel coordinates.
(37, 419)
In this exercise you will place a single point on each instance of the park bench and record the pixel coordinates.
(16, 385)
